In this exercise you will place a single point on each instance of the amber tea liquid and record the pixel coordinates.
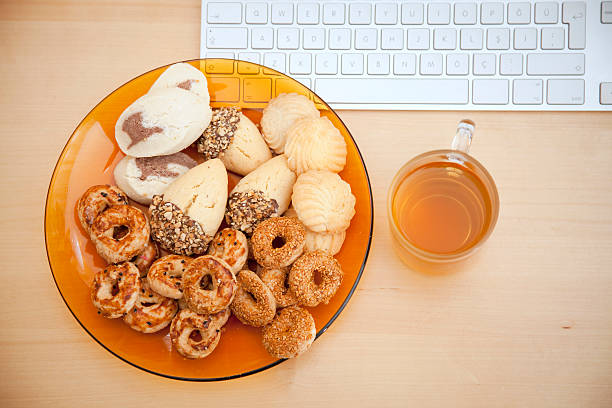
(442, 208)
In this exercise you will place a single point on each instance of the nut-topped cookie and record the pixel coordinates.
(234, 139)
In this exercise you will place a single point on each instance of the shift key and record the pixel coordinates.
(555, 64)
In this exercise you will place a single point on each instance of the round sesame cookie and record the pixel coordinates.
(290, 334)
(302, 278)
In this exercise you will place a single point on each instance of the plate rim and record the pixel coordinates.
(234, 376)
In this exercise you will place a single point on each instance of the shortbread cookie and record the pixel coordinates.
(185, 76)
(185, 219)
(162, 122)
(328, 242)
(323, 201)
(315, 144)
(234, 139)
(282, 112)
(143, 177)
(261, 194)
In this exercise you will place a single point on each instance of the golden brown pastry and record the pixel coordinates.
(151, 312)
(290, 334)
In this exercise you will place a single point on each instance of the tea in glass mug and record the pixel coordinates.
(443, 204)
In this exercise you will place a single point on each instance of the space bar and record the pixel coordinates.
(362, 90)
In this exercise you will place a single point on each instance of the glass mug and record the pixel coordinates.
(442, 205)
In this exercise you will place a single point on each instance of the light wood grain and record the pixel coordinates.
(490, 335)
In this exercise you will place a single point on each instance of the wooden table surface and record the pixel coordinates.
(527, 323)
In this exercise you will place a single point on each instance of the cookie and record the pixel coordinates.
(280, 114)
(185, 76)
(162, 122)
(323, 201)
(143, 177)
(315, 144)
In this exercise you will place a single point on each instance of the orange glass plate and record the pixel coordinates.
(90, 157)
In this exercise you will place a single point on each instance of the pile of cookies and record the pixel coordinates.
(262, 251)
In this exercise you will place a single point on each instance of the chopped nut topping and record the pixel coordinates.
(175, 231)
(220, 132)
(247, 209)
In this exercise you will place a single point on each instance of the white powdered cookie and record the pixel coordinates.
(185, 76)
(162, 122)
(323, 201)
(282, 112)
(329, 242)
(143, 177)
(315, 144)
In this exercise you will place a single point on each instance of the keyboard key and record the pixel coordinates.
(308, 13)
(457, 64)
(288, 38)
(385, 13)
(224, 13)
(404, 64)
(422, 90)
(283, 85)
(525, 38)
(471, 39)
(574, 14)
(219, 67)
(519, 13)
(314, 39)
(605, 93)
(300, 63)
(378, 64)
(339, 39)
(412, 13)
(257, 89)
(262, 38)
(484, 64)
(360, 13)
(445, 39)
(352, 64)
(282, 13)
(275, 60)
(553, 38)
(244, 68)
(392, 39)
(333, 13)
(546, 13)
(511, 64)
(490, 91)
(565, 92)
(365, 39)
(492, 13)
(225, 89)
(431, 64)
(606, 14)
(555, 64)
(465, 13)
(256, 13)
(438, 13)
(498, 38)
(326, 64)
(224, 37)
(527, 92)
(418, 39)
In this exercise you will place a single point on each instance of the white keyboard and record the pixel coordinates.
(445, 55)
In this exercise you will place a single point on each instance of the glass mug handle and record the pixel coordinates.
(463, 138)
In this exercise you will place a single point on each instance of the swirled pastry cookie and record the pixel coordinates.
(185, 76)
(261, 194)
(282, 112)
(234, 139)
(315, 144)
(323, 201)
(328, 242)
